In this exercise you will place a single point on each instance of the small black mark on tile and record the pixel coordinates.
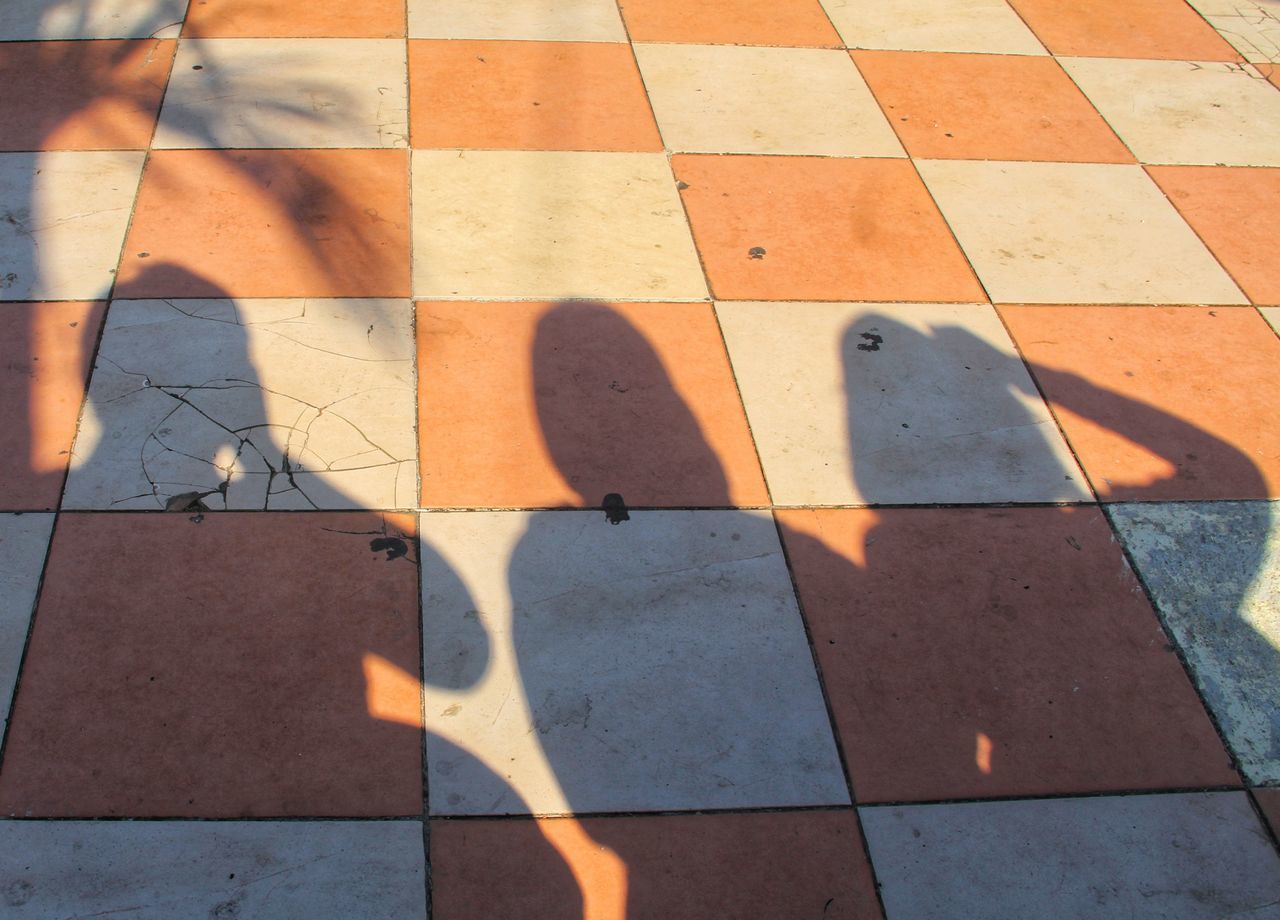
(682, 185)
(394, 547)
(1074, 543)
(8, 280)
(618, 388)
(755, 252)
(615, 509)
(144, 255)
(872, 341)
(197, 67)
(18, 893)
(187, 501)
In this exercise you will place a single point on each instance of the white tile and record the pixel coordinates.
(30, 20)
(989, 26)
(24, 538)
(533, 20)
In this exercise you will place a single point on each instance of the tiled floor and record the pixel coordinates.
(639, 458)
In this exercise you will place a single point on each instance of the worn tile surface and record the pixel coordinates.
(721, 99)
(1151, 414)
(155, 870)
(787, 228)
(319, 92)
(540, 415)
(550, 224)
(989, 26)
(24, 539)
(574, 666)
(972, 652)
(1213, 569)
(1074, 233)
(1191, 112)
(679, 866)
(220, 689)
(1251, 26)
(272, 404)
(883, 403)
(63, 217)
(1193, 855)
(531, 20)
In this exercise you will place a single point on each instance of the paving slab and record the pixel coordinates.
(989, 26)
(24, 539)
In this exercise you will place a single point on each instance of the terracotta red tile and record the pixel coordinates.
(81, 95)
(1228, 208)
(1160, 403)
(1168, 29)
(524, 95)
(295, 19)
(730, 22)
(270, 223)
(683, 866)
(811, 228)
(537, 405)
(45, 350)
(1269, 801)
(988, 107)
(975, 652)
(231, 666)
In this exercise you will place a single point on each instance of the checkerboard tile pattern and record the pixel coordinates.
(633, 458)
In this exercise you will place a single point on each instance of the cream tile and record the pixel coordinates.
(728, 99)
(932, 25)
(550, 225)
(1074, 233)
(1252, 26)
(1183, 111)
(28, 20)
(290, 403)
(535, 20)
(1271, 315)
(575, 666)
(23, 541)
(296, 92)
(893, 404)
(63, 217)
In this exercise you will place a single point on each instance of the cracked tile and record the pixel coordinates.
(994, 652)
(574, 666)
(1074, 233)
(722, 99)
(295, 19)
(1185, 112)
(101, 95)
(550, 224)
(221, 666)
(360, 870)
(45, 351)
(270, 223)
(30, 20)
(63, 217)
(893, 404)
(988, 26)
(23, 541)
(1195, 855)
(1213, 570)
(820, 228)
(678, 867)
(274, 404)
(1160, 403)
(516, 95)
(988, 107)
(730, 22)
(1133, 29)
(279, 93)
(1251, 26)
(523, 405)
(532, 20)
(1228, 208)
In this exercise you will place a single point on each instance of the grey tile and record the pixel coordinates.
(24, 538)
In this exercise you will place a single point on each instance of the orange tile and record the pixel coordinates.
(988, 107)
(980, 652)
(45, 350)
(1134, 29)
(808, 228)
(220, 667)
(799, 23)
(519, 95)
(81, 95)
(539, 405)
(295, 19)
(270, 223)
(1160, 403)
(678, 867)
(1236, 211)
